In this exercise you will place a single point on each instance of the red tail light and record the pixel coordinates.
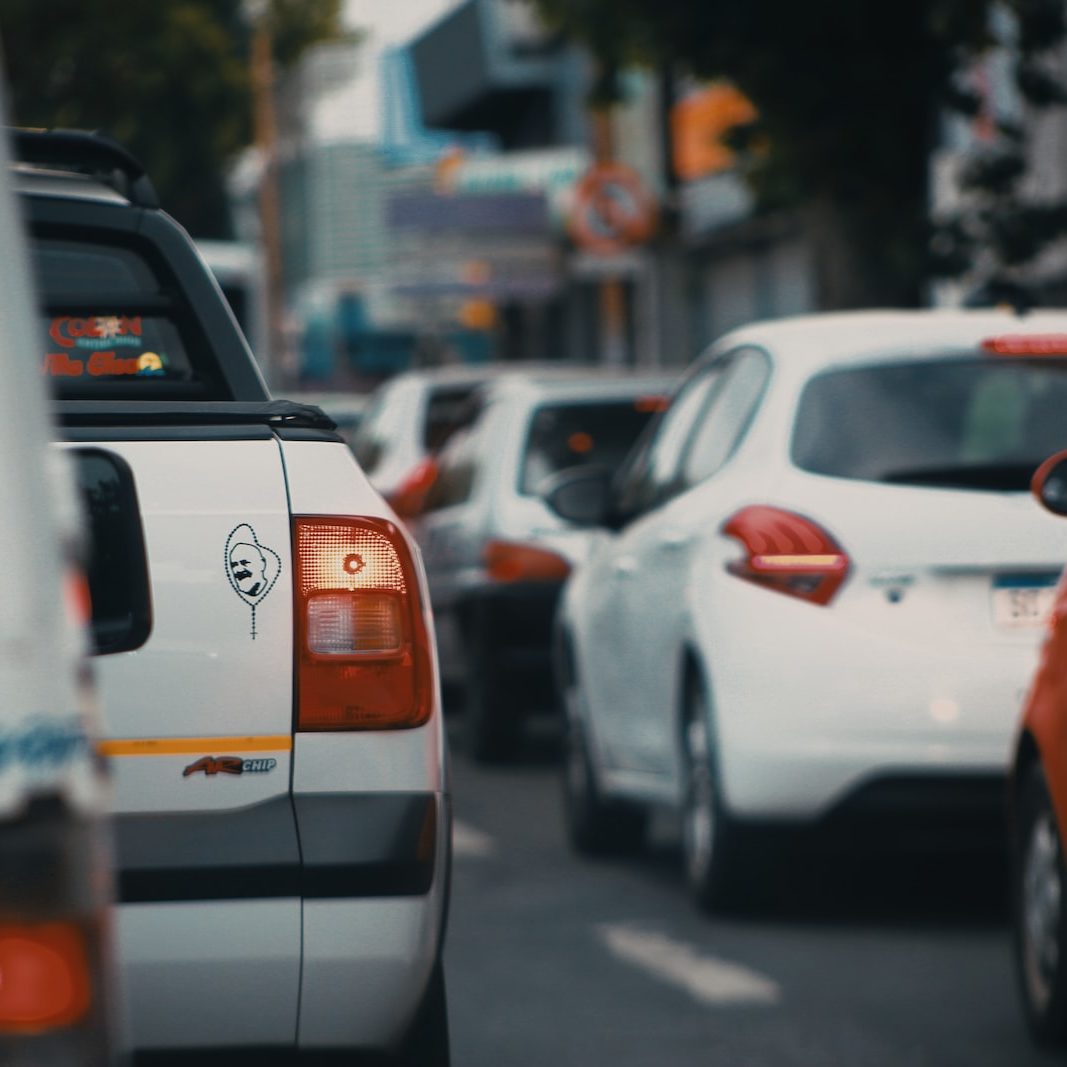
(1027, 344)
(44, 977)
(362, 647)
(512, 561)
(787, 553)
(76, 598)
(408, 498)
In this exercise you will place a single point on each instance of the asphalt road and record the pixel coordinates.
(555, 961)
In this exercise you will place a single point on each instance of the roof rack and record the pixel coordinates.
(87, 152)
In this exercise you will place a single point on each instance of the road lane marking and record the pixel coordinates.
(469, 842)
(707, 979)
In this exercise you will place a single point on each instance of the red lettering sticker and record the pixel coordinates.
(116, 329)
(60, 365)
(107, 363)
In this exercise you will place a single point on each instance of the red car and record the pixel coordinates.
(1039, 811)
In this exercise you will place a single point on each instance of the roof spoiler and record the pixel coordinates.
(87, 152)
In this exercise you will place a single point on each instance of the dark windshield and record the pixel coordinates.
(448, 408)
(967, 423)
(576, 434)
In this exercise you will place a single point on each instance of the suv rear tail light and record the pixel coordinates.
(362, 642)
(45, 979)
(512, 561)
(787, 553)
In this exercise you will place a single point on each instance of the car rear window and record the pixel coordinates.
(568, 435)
(968, 423)
(110, 325)
(448, 408)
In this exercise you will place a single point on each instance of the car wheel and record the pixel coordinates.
(427, 1042)
(1039, 894)
(710, 838)
(595, 825)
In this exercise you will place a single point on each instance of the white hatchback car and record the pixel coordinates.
(819, 587)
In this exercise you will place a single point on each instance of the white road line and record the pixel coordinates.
(469, 842)
(707, 979)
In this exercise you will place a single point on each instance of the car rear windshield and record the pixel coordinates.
(970, 423)
(110, 327)
(448, 408)
(568, 435)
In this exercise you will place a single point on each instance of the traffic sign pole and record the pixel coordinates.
(612, 302)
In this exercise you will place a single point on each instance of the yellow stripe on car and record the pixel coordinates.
(187, 746)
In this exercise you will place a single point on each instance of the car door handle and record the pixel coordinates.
(625, 566)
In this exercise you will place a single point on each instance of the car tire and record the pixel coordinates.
(712, 848)
(1039, 911)
(427, 1042)
(595, 825)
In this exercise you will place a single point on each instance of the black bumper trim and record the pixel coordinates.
(312, 846)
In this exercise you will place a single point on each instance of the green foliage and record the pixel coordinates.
(850, 95)
(169, 79)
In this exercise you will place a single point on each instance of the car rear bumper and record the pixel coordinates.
(935, 811)
(237, 935)
(812, 715)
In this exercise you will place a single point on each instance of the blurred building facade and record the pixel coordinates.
(443, 230)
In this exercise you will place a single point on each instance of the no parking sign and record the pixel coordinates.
(612, 210)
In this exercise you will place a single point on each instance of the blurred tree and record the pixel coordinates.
(169, 79)
(851, 95)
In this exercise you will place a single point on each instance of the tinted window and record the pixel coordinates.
(724, 421)
(576, 434)
(652, 470)
(969, 423)
(109, 322)
(447, 409)
(369, 442)
(68, 268)
(456, 473)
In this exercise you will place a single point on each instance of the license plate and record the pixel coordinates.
(1021, 602)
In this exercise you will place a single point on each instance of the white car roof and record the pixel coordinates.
(810, 342)
(581, 384)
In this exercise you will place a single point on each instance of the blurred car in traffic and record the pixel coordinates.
(410, 417)
(817, 590)
(496, 556)
(1039, 810)
(58, 1000)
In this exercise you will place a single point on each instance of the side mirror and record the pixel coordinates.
(581, 495)
(409, 497)
(119, 588)
(1049, 484)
